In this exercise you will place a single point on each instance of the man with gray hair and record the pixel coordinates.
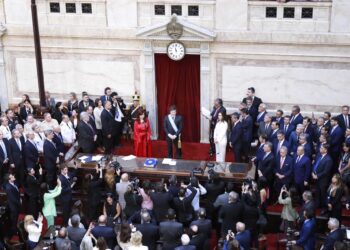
(265, 126)
(334, 235)
(76, 233)
(283, 170)
(149, 231)
(309, 205)
(294, 138)
(243, 236)
(51, 158)
(231, 213)
(30, 151)
(267, 164)
(185, 243)
(87, 134)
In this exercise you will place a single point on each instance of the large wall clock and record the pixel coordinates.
(176, 51)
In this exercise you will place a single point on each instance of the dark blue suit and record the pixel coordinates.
(107, 233)
(14, 205)
(302, 172)
(236, 140)
(31, 154)
(247, 125)
(295, 120)
(307, 235)
(244, 239)
(273, 136)
(275, 147)
(16, 158)
(66, 196)
(266, 167)
(333, 237)
(2, 158)
(323, 169)
(287, 129)
(50, 156)
(341, 122)
(286, 170)
(260, 118)
(307, 150)
(105, 98)
(259, 154)
(294, 142)
(337, 138)
(279, 120)
(58, 140)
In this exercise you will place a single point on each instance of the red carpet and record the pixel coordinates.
(190, 151)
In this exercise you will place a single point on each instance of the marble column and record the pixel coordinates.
(3, 85)
(205, 88)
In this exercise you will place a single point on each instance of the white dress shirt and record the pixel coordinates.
(6, 132)
(34, 231)
(67, 132)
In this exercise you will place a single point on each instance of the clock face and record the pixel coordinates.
(176, 51)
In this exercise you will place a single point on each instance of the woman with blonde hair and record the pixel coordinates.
(136, 241)
(334, 195)
(33, 228)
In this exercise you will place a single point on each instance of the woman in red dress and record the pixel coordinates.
(142, 135)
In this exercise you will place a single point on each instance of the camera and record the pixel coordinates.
(135, 183)
(116, 165)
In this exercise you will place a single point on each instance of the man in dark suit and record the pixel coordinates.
(95, 186)
(279, 118)
(296, 117)
(150, 232)
(185, 243)
(236, 137)
(67, 183)
(13, 202)
(301, 170)
(321, 173)
(267, 164)
(334, 235)
(344, 118)
(247, 125)
(16, 156)
(337, 138)
(265, 126)
(173, 129)
(294, 138)
(274, 129)
(90, 112)
(256, 101)
(309, 205)
(281, 141)
(161, 202)
(307, 238)
(318, 126)
(287, 127)
(183, 206)
(218, 108)
(85, 102)
(283, 170)
(102, 230)
(170, 231)
(106, 96)
(4, 156)
(260, 118)
(214, 186)
(259, 155)
(252, 110)
(309, 129)
(33, 191)
(12, 119)
(108, 127)
(51, 159)
(50, 102)
(204, 225)
(243, 236)
(231, 213)
(118, 107)
(303, 141)
(327, 120)
(87, 135)
(30, 151)
(58, 140)
(197, 238)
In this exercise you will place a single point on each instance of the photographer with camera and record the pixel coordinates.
(94, 188)
(289, 215)
(132, 199)
(231, 243)
(182, 204)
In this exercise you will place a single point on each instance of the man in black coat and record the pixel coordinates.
(150, 233)
(33, 191)
(183, 206)
(13, 202)
(108, 127)
(51, 159)
(4, 156)
(67, 182)
(16, 156)
(236, 137)
(161, 202)
(173, 129)
(215, 186)
(204, 225)
(231, 213)
(87, 135)
(267, 164)
(85, 102)
(335, 234)
(94, 192)
(197, 238)
(30, 151)
(256, 101)
(58, 140)
(170, 231)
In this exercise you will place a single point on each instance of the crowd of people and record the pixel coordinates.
(294, 156)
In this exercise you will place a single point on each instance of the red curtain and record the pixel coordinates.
(178, 82)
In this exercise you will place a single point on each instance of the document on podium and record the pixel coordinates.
(205, 112)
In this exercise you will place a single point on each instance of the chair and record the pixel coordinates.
(23, 235)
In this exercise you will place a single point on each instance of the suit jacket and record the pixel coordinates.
(253, 112)
(170, 234)
(244, 239)
(33, 186)
(236, 136)
(230, 214)
(328, 125)
(279, 120)
(108, 123)
(31, 154)
(263, 130)
(247, 125)
(293, 141)
(295, 120)
(336, 235)
(286, 169)
(13, 198)
(23, 113)
(73, 106)
(198, 240)
(16, 154)
(273, 136)
(337, 138)
(86, 135)
(307, 150)
(323, 171)
(256, 102)
(150, 235)
(169, 129)
(184, 207)
(81, 106)
(2, 153)
(204, 226)
(58, 140)
(275, 146)
(66, 193)
(187, 247)
(307, 235)
(341, 122)
(287, 129)
(309, 206)
(214, 114)
(105, 98)
(317, 132)
(107, 233)
(266, 166)
(50, 155)
(161, 204)
(260, 118)
(301, 169)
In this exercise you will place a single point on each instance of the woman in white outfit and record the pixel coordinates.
(67, 130)
(220, 138)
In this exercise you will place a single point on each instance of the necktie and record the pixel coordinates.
(285, 128)
(34, 144)
(15, 186)
(40, 136)
(3, 148)
(292, 118)
(92, 130)
(298, 159)
(282, 161)
(279, 146)
(19, 144)
(266, 127)
(346, 121)
(317, 164)
(265, 156)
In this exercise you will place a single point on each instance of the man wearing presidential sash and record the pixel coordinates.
(173, 128)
